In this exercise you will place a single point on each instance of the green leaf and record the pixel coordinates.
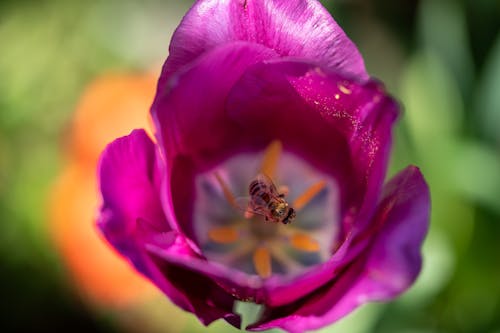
(488, 94)
(476, 174)
(443, 30)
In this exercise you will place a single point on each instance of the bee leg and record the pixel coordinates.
(283, 191)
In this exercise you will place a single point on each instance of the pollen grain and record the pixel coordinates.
(344, 89)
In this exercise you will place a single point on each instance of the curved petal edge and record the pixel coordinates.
(297, 28)
(132, 216)
(387, 267)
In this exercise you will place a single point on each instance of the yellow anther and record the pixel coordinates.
(262, 262)
(303, 199)
(271, 158)
(223, 235)
(225, 189)
(304, 243)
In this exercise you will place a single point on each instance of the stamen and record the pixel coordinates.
(304, 243)
(283, 258)
(303, 199)
(262, 262)
(242, 249)
(271, 158)
(231, 229)
(225, 189)
(223, 235)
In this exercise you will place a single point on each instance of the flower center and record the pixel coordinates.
(264, 231)
(266, 213)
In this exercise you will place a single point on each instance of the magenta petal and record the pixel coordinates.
(206, 299)
(237, 283)
(298, 28)
(387, 267)
(132, 215)
(337, 124)
(193, 128)
(190, 115)
(128, 179)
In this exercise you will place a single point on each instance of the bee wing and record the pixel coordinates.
(244, 204)
(265, 179)
(272, 189)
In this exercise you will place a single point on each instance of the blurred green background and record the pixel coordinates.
(440, 58)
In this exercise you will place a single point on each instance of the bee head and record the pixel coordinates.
(289, 216)
(281, 209)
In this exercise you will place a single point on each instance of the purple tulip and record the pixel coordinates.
(272, 93)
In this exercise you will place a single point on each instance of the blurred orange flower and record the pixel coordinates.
(111, 106)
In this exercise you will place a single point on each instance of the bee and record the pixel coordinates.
(267, 201)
